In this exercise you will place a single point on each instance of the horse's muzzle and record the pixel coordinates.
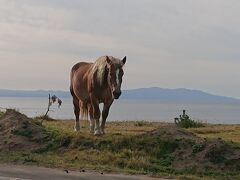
(117, 94)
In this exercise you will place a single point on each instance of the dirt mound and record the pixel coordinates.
(198, 153)
(172, 131)
(18, 132)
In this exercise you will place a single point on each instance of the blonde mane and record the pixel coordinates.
(100, 65)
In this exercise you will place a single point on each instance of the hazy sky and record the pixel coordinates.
(169, 43)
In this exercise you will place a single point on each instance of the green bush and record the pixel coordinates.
(184, 121)
(197, 148)
(140, 123)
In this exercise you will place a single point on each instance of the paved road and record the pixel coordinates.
(13, 172)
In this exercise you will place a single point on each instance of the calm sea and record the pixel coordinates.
(132, 110)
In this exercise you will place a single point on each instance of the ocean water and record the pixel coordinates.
(123, 110)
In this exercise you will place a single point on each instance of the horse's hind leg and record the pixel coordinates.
(92, 121)
(77, 113)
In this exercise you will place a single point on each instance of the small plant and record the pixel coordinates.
(197, 148)
(51, 100)
(184, 121)
(140, 123)
(1, 113)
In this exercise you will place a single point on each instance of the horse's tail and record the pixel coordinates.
(71, 83)
(84, 107)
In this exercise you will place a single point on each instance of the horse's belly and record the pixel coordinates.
(79, 82)
(80, 90)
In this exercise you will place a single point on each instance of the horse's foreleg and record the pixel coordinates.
(105, 113)
(97, 130)
(96, 115)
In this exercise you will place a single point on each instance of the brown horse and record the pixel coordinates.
(95, 83)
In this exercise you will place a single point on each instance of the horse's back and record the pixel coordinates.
(80, 65)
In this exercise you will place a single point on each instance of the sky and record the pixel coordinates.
(168, 43)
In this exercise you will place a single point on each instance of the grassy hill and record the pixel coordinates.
(155, 149)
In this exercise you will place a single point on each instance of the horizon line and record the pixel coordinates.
(190, 89)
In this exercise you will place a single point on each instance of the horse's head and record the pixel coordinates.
(115, 74)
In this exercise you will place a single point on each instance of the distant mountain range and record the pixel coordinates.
(155, 93)
(176, 95)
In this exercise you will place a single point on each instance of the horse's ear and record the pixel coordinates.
(108, 60)
(124, 60)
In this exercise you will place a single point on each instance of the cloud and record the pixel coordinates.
(191, 44)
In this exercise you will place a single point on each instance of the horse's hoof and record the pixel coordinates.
(76, 128)
(97, 133)
(103, 132)
(92, 129)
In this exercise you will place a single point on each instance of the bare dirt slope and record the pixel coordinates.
(199, 153)
(18, 132)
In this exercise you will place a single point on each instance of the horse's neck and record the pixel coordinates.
(102, 92)
(99, 82)
(98, 77)
(100, 74)
(103, 84)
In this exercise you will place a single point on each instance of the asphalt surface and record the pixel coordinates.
(15, 172)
